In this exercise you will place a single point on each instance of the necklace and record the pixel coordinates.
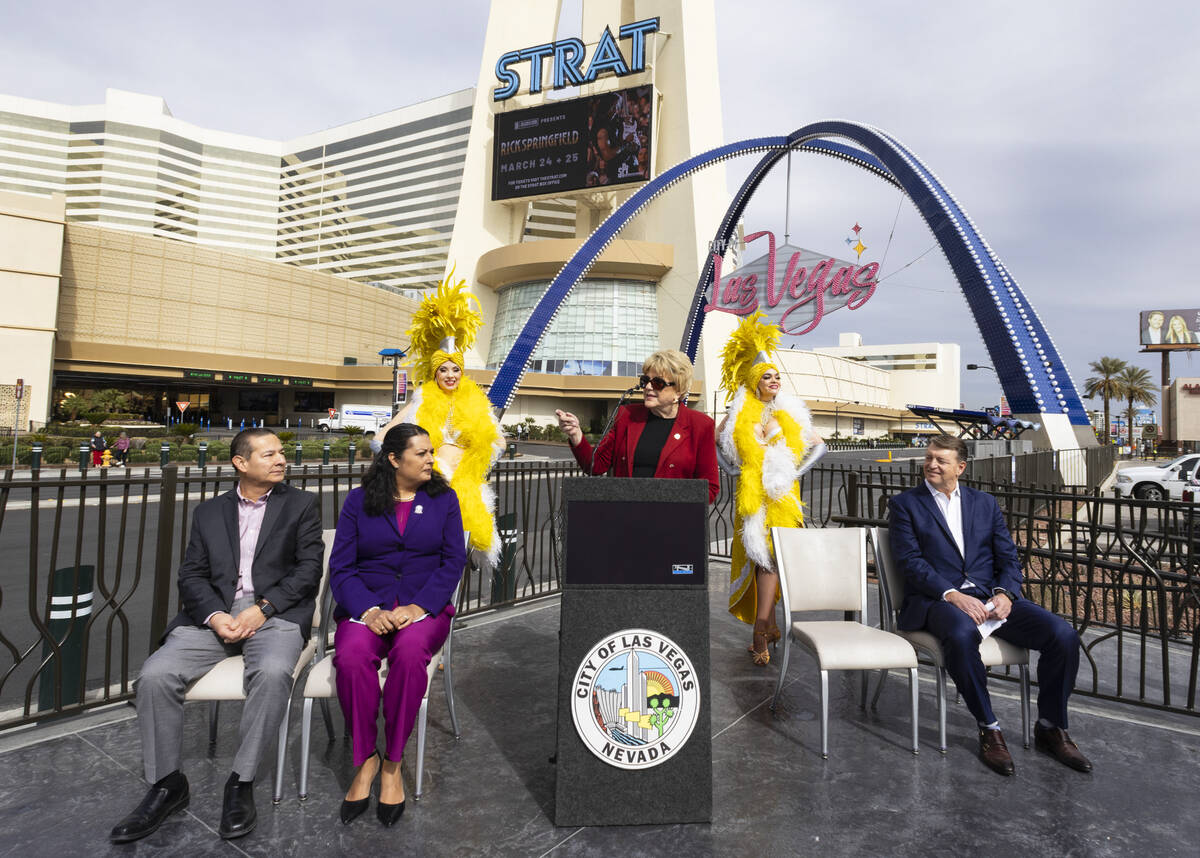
(399, 497)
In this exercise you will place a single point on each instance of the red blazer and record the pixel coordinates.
(690, 452)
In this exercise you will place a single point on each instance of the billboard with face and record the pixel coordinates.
(1174, 328)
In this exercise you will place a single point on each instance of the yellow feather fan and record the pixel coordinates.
(444, 314)
(742, 361)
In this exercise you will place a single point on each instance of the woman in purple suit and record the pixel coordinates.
(396, 559)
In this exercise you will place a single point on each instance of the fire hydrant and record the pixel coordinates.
(106, 459)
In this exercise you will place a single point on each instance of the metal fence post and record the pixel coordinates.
(852, 494)
(160, 604)
(70, 605)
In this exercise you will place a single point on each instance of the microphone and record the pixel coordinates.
(607, 427)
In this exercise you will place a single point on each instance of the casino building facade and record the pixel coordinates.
(259, 278)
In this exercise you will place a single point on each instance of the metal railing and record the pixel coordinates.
(89, 581)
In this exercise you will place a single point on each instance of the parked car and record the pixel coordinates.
(1157, 482)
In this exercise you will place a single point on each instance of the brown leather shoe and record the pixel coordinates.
(1055, 742)
(994, 752)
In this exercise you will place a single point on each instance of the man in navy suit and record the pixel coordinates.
(961, 568)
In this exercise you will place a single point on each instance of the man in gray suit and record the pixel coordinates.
(247, 585)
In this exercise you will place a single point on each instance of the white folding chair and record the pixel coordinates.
(321, 684)
(225, 681)
(993, 651)
(825, 569)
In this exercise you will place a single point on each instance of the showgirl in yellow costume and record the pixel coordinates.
(467, 439)
(767, 439)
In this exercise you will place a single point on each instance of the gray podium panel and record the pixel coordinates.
(634, 735)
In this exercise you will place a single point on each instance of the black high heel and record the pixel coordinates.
(352, 810)
(389, 814)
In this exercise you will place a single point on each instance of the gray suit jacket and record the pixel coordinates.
(287, 558)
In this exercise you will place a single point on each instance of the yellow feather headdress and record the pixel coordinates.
(443, 328)
(748, 354)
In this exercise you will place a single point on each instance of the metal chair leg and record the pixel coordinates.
(421, 719)
(448, 680)
(862, 694)
(305, 741)
(214, 712)
(325, 714)
(941, 693)
(787, 652)
(1024, 671)
(281, 753)
(883, 675)
(912, 689)
(825, 714)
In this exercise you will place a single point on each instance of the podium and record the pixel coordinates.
(634, 740)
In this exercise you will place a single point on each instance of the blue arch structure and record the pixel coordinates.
(1030, 369)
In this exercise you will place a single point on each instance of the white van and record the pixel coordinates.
(369, 418)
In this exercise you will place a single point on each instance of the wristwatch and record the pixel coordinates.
(1011, 597)
(268, 610)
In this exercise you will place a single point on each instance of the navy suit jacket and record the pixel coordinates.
(373, 565)
(287, 558)
(928, 557)
(690, 452)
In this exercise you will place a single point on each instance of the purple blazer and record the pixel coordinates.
(372, 564)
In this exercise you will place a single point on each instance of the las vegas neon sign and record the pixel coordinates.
(799, 302)
(568, 57)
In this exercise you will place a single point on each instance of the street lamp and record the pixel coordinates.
(999, 406)
(836, 409)
(393, 356)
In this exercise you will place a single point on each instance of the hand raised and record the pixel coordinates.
(569, 424)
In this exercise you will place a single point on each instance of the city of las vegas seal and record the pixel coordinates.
(635, 698)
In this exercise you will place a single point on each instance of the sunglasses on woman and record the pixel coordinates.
(656, 382)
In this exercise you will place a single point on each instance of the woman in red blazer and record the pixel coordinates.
(661, 437)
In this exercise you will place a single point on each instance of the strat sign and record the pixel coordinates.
(813, 285)
(568, 60)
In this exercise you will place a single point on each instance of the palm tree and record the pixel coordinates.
(1104, 384)
(1136, 387)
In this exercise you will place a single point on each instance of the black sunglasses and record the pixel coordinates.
(656, 382)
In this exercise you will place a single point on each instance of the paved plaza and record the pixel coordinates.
(491, 793)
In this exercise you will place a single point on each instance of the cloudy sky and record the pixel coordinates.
(1069, 134)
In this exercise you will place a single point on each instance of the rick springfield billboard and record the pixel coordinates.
(593, 142)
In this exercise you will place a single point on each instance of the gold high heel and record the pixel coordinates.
(774, 636)
(760, 657)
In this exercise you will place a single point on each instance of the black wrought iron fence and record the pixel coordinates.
(88, 578)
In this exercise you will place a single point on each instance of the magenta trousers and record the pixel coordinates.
(357, 654)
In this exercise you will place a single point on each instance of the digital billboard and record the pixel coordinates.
(592, 142)
(1173, 328)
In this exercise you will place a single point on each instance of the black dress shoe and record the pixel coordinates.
(389, 814)
(168, 795)
(1055, 742)
(994, 752)
(238, 816)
